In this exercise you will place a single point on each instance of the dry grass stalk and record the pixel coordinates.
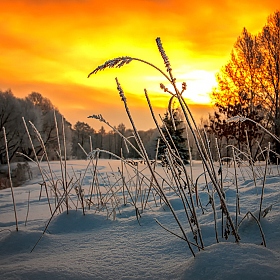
(250, 159)
(60, 202)
(27, 212)
(63, 172)
(258, 223)
(151, 181)
(220, 172)
(264, 179)
(237, 205)
(10, 177)
(94, 180)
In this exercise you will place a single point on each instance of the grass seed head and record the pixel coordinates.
(112, 63)
(121, 93)
(163, 54)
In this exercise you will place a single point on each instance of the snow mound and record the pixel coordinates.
(13, 242)
(75, 221)
(234, 261)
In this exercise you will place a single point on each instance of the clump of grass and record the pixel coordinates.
(179, 172)
(180, 179)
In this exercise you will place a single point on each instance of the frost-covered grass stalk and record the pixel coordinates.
(63, 170)
(264, 179)
(10, 177)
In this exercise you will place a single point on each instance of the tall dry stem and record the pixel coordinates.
(237, 206)
(264, 180)
(10, 177)
(251, 159)
(63, 172)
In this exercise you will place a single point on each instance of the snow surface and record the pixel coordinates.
(112, 245)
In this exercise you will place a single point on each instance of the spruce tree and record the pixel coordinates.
(172, 127)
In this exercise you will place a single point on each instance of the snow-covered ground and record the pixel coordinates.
(109, 243)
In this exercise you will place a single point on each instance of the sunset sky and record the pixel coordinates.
(51, 46)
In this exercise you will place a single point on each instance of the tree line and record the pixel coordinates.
(88, 138)
(35, 117)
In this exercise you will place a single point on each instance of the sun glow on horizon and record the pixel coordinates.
(199, 86)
